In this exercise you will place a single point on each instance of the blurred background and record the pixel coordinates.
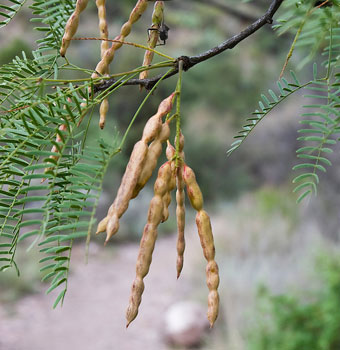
(279, 262)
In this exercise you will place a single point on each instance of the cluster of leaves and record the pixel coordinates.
(289, 323)
(51, 194)
(320, 129)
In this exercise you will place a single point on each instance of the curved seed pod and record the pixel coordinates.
(134, 169)
(207, 243)
(167, 195)
(157, 18)
(102, 225)
(155, 150)
(180, 142)
(128, 183)
(152, 128)
(148, 240)
(193, 190)
(72, 26)
(180, 215)
(104, 107)
(166, 105)
(108, 56)
(170, 151)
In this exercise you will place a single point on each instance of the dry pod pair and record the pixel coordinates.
(131, 181)
(125, 30)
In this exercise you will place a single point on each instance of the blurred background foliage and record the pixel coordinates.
(217, 97)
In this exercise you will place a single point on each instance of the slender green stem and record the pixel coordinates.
(330, 51)
(140, 107)
(178, 109)
(131, 44)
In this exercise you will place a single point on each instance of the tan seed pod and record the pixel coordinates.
(165, 106)
(170, 151)
(157, 18)
(180, 215)
(102, 225)
(109, 54)
(148, 240)
(154, 152)
(152, 128)
(128, 183)
(167, 196)
(72, 26)
(207, 243)
(193, 190)
(104, 107)
(134, 169)
(104, 34)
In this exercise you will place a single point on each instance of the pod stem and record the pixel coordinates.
(178, 110)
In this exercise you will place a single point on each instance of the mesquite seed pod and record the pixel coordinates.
(180, 215)
(157, 18)
(166, 105)
(102, 225)
(128, 183)
(170, 151)
(104, 107)
(152, 128)
(108, 56)
(181, 141)
(154, 152)
(207, 243)
(72, 26)
(134, 168)
(193, 190)
(104, 34)
(148, 240)
(167, 195)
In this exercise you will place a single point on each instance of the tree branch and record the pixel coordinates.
(189, 62)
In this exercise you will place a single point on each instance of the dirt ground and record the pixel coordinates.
(93, 314)
(257, 250)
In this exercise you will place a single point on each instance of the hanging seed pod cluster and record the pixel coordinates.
(173, 174)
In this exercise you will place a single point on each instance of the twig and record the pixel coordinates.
(189, 62)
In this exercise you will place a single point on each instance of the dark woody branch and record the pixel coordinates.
(189, 62)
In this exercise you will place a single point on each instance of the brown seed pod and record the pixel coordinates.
(104, 107)
(134, 168)
(154, 152)
(152, 128)
(180, 215)
(148, 240)
(167, 196)
(126, 188)
(157, 18)
(108, 56)
(207, 243)
(193, 190)
(72, 26)
(104, 34)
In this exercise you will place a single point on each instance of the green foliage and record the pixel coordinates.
(51, 175)
(320, 132)
(289, 322)
(7, 12)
